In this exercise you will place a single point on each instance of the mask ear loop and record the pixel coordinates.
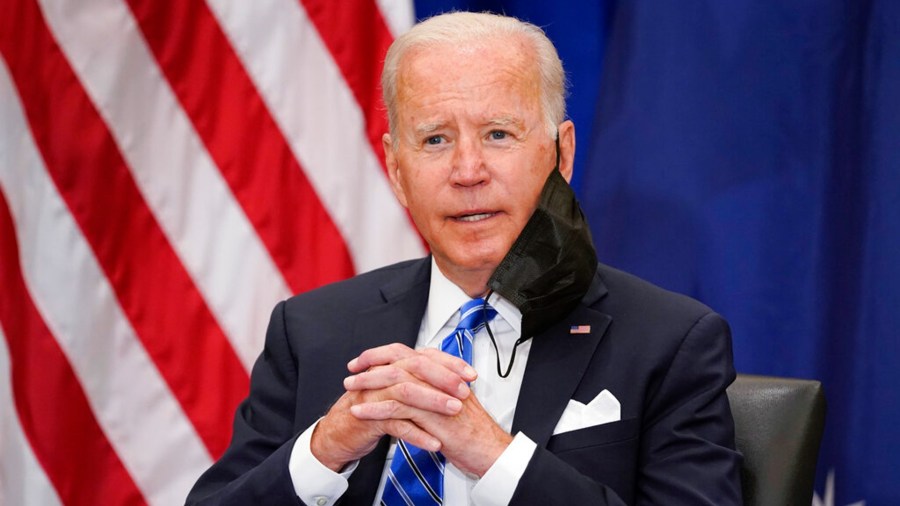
(487, 325)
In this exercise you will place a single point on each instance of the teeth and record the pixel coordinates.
(476, 217)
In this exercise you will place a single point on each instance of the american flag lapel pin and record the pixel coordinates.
(580, 329)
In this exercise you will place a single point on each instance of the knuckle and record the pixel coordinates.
(396, 349)
(391, 407)
(413, 364)
(401, 429)
(404, 390)
(432, 356)
(393, 374)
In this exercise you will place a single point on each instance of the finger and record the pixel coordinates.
(454, 363)
(417, 367)
(405, 400)
(378, 378)
(425, 398)
(395, 410)
(381, 355)
(412, 434)
(432, 368)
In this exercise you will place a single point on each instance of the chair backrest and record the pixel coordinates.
(778, 428)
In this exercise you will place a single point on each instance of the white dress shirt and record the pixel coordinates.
(318, 485)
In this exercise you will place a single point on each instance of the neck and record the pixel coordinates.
(473, 282)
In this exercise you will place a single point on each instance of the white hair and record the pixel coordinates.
(461, 27)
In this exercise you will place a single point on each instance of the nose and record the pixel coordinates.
(469, 167)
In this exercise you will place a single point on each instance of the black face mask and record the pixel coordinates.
(552, 263)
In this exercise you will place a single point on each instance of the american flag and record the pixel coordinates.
(169, 170)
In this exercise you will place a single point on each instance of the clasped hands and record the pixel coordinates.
(420, 396)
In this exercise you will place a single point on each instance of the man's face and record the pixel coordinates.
(473, 151)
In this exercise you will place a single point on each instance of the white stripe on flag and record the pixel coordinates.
(314, 108)
(22, 480)
(134, 407)
(179, 181)
(398, 14)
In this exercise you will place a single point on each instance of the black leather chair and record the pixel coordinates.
(778, 424)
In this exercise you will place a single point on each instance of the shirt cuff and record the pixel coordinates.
(314, 483)
(498, 484)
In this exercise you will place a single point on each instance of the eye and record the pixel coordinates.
(498, 135)
(434, 140)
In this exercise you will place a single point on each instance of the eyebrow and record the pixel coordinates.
(506, 121)
(503, 121)
(427, 128)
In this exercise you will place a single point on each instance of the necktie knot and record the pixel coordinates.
(473, 316)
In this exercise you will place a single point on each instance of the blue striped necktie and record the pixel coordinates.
(416, 476)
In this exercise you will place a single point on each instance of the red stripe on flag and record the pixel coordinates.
(157, 294)
(52, 407)
(357, 38)
(245, 142)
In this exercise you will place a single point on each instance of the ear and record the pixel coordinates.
(566, 149)
(393, 169)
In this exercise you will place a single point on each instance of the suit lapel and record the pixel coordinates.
(395, 320)
(556, 363)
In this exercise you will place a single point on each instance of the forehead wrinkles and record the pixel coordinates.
(430, 74)
(448, 65)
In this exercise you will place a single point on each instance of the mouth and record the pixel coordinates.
(474, 217)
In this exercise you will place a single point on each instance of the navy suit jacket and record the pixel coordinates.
(665, 357)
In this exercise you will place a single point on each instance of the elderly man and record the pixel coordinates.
(507, 368)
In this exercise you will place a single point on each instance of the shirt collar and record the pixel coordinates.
(445, 299)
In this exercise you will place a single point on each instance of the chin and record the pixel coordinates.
(474, 256)
(487, 261)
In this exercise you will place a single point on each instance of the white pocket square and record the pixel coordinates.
(604, 408)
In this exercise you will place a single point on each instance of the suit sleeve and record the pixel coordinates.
(254, 468)
(686, 450)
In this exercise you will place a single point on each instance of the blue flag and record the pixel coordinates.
(748, 154)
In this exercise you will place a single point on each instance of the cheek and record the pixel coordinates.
(421, 208)
(400, 193)
(528, 190)
(409, 186)
(424, 185)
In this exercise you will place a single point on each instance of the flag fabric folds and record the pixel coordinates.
(168, 172)
(748, 153)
